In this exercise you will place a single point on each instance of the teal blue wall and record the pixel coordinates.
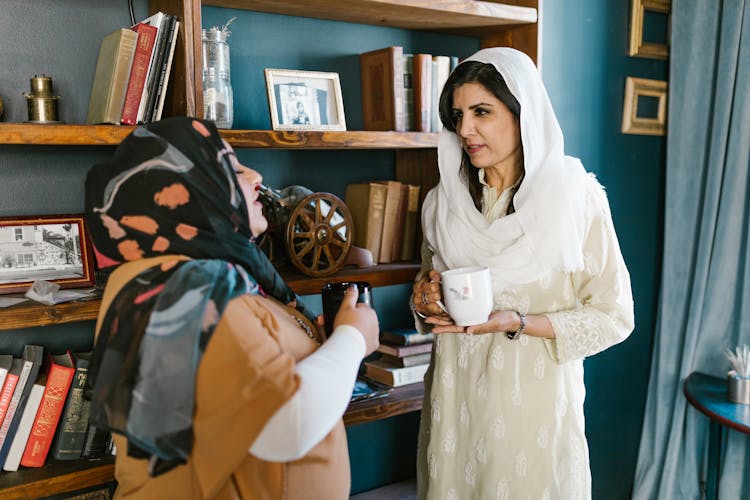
(584, 66)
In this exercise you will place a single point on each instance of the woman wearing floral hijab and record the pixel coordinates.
(503, 409)
(206, 369)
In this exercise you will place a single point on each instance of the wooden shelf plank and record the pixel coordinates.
(404, 399)
(29, 314)
(55, 478)
(380, 275)
(54, 134)
(458, 16)
(353, 139)
(112, 135)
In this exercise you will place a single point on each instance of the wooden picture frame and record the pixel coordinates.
(54, 248)
(632, 122)
(638, 47)
(305, 100)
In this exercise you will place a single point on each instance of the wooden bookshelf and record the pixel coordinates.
(29, 313)
(112, 135)
(404, 399)
(55, 477)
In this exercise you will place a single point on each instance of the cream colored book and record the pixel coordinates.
(395, 376)
(111, 77)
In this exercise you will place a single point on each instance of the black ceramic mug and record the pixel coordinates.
(332, 295)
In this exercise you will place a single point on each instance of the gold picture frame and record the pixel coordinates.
(638, 47)
(632, 123)
(54, 248)
(305, 100)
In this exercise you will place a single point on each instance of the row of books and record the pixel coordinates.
(385, 216)
(401, 91)
(42, 409)
(404, 357)
(132, 72)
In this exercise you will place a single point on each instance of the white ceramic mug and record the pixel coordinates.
(467, 294)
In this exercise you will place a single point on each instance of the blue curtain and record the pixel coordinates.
(705, 295)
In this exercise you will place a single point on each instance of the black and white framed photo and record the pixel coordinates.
(53, 248)
(305, 100)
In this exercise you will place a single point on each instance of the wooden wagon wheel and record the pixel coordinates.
(319, 234)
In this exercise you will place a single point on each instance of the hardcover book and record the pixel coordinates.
(144, 50)
(393, 376)
(390, 222)
(111, 77)
(383, 89)
(366, 203)
(33, 356)
(166, 69)
(74, 420)
(400, 351)
(412, 360)
(9, 387)
(24, 427)
(405, 336)
(6, 363)
(411, 224)
(59, 378)
(422, 92)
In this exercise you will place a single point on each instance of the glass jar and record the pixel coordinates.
(218, 100)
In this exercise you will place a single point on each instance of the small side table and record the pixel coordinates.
(708, 394)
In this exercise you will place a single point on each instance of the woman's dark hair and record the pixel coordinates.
(486, 75)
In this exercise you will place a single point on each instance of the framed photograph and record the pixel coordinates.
(305, 100)
(53, 248)
(645, 108)
(650, 16)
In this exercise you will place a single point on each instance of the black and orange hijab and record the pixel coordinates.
(171, 188)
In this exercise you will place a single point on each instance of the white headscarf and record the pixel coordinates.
(546, 231)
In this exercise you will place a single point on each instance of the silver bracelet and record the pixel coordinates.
(414, 308)
(517, 333)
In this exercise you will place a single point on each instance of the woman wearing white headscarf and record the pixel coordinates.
(503, 408)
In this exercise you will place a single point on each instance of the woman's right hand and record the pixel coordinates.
(426, 293)
(360, 316)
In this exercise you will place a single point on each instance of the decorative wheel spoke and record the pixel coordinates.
(314, 245)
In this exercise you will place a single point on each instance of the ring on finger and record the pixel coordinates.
(424, 299)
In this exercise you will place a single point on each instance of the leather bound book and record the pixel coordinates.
(411, 223)
(111, 77)
(138, 72)
(59, 378)
(74, 420)
(383, 89)
(390, 221)
(366, 203)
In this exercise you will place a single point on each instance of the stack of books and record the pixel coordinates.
(385, 216)
(404, 357)
(43, 411)
(132, 72)
(401, 91)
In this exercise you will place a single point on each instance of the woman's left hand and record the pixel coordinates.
(499, 321)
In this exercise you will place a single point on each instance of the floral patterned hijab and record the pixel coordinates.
(170, 189)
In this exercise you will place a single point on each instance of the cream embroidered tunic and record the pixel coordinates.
(504, 419)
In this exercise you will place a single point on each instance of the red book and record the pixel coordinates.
(59, 378)
(9, 386)
(138, 71)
